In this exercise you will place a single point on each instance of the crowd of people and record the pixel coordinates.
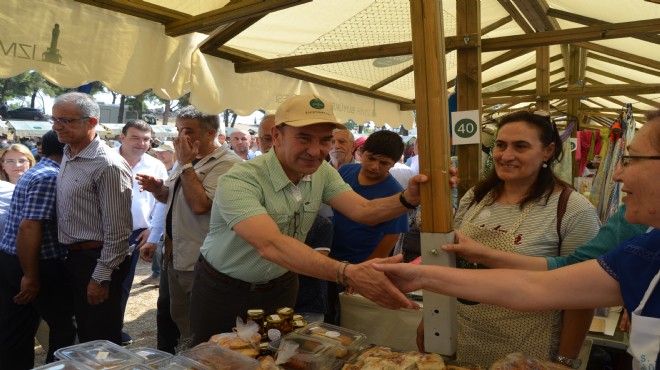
(295, 213)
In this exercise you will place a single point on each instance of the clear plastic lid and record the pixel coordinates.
(313, 353)
(99, 354)
(177, 363)
(63, 365)
(137, 367)
(215, 357)
(348, 341)
(150, 355)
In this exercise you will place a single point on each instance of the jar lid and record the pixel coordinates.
(286, 311)
(255, 312)
(275, 319)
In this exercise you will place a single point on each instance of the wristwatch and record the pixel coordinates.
(103, 283)
(570, 362)
(186, 166)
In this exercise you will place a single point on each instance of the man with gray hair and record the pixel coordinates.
(94, 190)
(341, 151)
(188, 192)
(265, 136)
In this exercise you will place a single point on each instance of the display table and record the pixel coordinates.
(396, 329)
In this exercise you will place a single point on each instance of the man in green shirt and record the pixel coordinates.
(261, 214)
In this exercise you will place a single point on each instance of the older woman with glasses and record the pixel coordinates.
(15, 160)
(516, 209)
(627, 275)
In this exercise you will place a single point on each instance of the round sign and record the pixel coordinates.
(465, 128)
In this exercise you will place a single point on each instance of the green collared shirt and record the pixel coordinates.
(257, 187)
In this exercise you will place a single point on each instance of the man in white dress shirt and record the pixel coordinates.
(148, 213)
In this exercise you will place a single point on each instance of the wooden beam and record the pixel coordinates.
(573, 35)
(392, 78)
(534, 12)
(641, 99)
(517, 72)
(655, 64)
(586, 91)
(613, 75)
(503, 58)
(225, 33)
(515, 14)
(232, 12)
(346, 55)
(468, 75)
(557, 83)
(587, 21)
(595, 102)
(621, 63)
(238, 56)
(575, 91)
(528, 81)
(495, 25)
(140, 9)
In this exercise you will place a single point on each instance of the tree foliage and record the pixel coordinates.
(28, 84)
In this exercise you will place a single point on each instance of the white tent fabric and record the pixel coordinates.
(71, 44)
(245, 92)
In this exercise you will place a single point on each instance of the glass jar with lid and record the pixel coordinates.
(286, 313)
(257, 315)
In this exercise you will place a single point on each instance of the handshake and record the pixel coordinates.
(384, 281)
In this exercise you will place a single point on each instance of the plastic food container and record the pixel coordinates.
(218, 358)
(137, 367)
(348, 342)
(177, 363)
(313, 353)
(99, 354)
(63, 365)
(150, 355)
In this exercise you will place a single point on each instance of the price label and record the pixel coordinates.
(466, 127)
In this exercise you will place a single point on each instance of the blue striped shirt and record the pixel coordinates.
(34, 199)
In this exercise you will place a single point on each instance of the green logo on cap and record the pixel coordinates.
(316, 103)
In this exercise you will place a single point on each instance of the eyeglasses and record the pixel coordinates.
(627, 159)
(20, 162)
(296, 224)
(65, 121)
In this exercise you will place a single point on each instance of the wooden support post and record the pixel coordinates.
(542, 77)
(469, 90)
(432, 113)
(433, 139)
(573, 77)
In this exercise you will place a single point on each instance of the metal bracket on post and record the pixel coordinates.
(439, 311)
(466, 39)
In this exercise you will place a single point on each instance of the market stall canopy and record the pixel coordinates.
(164, 132)
(35, 129)
(603, 51)
(112, 129)
(28, 129)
